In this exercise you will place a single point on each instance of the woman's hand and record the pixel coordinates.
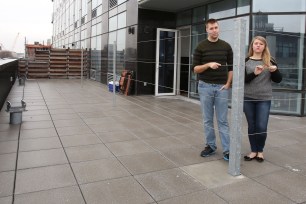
(258, 69)
(272, 68)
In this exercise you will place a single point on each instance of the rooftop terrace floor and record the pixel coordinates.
(79, 144)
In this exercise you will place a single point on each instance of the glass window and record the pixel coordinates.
(286, 41)
(121, 1)
(93, 43)
(199, 14)
(183, 18)
(228, 31)
(99, 28)
(113, 23)
(122, 20)
(94, 4)
(111, 40)
(243, 6)
(286, 102)
(222, 9)
(278, 5)
(94, 30)
(84, 8)
(121, 38)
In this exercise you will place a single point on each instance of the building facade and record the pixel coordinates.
(155, 39)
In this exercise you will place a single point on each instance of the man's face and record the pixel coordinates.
(213, 30)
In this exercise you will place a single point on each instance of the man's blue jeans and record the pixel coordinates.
(257, 115)
(212, 98)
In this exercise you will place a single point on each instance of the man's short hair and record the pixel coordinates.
(210, 21)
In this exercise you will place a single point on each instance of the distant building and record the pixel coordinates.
(156, 39)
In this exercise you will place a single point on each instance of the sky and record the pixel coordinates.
(30, 18)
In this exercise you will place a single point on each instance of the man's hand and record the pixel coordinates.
(214, 65)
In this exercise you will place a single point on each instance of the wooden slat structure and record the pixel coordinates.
(54, 63)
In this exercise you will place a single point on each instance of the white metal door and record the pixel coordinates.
(166, 62)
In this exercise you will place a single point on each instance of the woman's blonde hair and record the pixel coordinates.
(266, 56)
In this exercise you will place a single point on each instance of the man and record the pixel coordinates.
(212, 61)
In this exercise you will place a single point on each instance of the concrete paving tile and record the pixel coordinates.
(212, 174)
(249, 191)
(58, 106)
(166, 143)
(7, 183)
(75, 130)
(166, 184)
(9, 127)
(149, 132)
(9, 136)
(61, 111)
(65, 116)
(184, 156)
(6, 200)
(8, 162)
(286, 183)
(159, 121)
(8, 147)
(39, 144)
(299, 169)
(36, 125)
(41, 158)
(4, 119)
(98, 170)
(280, 139)
(106, 127)
(68, 195)
(283, 157)
(38, 133)
(94, 114)
(194, 138)
(128, 147)
(176, 129)
(146, 162)
(36, 107)
(36, 118)
(78, 140)
(116, 136)
(35, 112)
(68, 122)
(87, 152)
(116, 191)
(200, 197)
(44, 178)
(253, 169)
(100, 120)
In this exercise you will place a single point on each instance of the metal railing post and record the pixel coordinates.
(237, 97)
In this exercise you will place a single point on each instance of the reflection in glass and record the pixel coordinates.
(286, 41)
(183, 18)
(111, 40)
(113, 23)
(121, 38)
(198, 34)
(243, 7)
(122, 20)
(199, 14)
(166, 62)
(221, 9)
(278, 5)
(286, 103)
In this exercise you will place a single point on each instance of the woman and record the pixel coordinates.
(260, 71)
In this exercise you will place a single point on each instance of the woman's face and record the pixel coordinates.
(258, 46)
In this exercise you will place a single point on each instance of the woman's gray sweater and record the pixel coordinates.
(259, 86)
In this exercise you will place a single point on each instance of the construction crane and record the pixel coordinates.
(15, 41)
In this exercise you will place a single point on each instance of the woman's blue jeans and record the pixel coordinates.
(212, 98)
(257, 115)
